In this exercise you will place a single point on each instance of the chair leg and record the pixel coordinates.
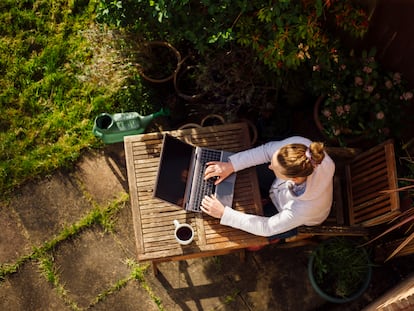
(242, 255)
(154, 268)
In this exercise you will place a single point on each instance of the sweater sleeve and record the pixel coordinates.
(262, 154)
(260, 225)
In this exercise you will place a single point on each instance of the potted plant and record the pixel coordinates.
(358, 98)
(339, 270)
(186, 80)
(158, 61)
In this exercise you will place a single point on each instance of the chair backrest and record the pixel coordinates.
(364, 175)
(367, 175)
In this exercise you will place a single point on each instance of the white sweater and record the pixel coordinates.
(310, 208)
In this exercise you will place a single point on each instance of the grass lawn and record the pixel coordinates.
(58, 71)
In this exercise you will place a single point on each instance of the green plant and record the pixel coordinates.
(287, 34)
(281, 37)
(228, 299)
(204, 24)
(234, 81)
(360, 97)
(339, 267)
(284, 34)
(51, 273)
(404, 221)
(112, 289)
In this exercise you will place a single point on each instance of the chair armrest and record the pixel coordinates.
(334, 230)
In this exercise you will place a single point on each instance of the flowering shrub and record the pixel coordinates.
(285, 34)
(360, 98)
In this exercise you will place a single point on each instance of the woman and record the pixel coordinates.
(301, 193)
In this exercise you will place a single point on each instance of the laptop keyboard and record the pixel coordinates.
(206, 187)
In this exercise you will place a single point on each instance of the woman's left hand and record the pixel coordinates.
(212, 206)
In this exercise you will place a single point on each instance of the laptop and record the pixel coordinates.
(180, 177)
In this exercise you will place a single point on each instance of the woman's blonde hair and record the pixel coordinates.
(297, 160)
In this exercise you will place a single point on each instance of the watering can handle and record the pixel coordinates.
(98, 134)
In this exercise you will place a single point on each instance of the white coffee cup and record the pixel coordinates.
(184, 233)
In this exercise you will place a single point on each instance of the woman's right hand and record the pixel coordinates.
(222, 170)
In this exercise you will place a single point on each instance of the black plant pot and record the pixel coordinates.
(327, 290)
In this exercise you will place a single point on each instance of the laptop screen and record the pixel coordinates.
(172, 173)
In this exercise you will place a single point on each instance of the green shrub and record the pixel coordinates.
(284, 34)
(203, 24)
(287, 37)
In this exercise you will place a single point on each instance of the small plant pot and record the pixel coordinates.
(185, 83)
(212, 119)
(158, 61)
(339, 270)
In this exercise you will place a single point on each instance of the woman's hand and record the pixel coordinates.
(222, 170)
(212, 206)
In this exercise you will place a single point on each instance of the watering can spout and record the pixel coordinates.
(146, 120)
(163, 112)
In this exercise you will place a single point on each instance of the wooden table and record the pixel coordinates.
(153, 218)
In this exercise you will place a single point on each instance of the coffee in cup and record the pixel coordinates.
(184, 233)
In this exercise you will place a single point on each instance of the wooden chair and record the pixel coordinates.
(367, 176)
(359, 200)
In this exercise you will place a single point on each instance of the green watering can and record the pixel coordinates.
(112, 128)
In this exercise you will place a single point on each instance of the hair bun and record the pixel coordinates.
(316, 150)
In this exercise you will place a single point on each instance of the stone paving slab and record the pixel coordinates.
(199, 284)
(124, 231)
(101, 175)
(14, 243)
(46, 208)
(267, 280)
(89, 264)
(281, 277)
(132, 297)
(28, 290)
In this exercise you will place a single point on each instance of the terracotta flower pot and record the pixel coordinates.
(159, 61)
